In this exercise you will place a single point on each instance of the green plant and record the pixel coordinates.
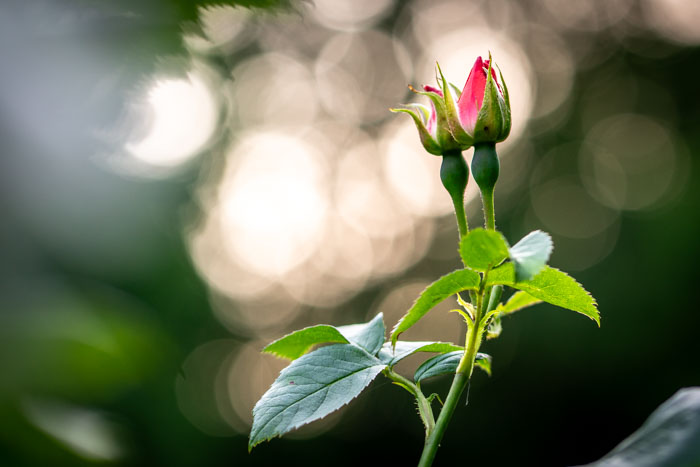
(321, 381)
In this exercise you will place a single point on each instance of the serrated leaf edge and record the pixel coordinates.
(514, 284)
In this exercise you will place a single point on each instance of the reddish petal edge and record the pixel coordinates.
(472, 96)
(430, 88)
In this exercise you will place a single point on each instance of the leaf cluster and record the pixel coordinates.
(330, 365)
(490, 261)
(318, 382)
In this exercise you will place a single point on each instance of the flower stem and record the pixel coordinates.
(454, 173)
(489, 214)
(460, 381)
(485, 170)
(433, 441)
(461, 216)
(464, 372)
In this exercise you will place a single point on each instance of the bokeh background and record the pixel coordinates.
(181, 183)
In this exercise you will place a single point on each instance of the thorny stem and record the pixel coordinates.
(464, 372)
(485, 168)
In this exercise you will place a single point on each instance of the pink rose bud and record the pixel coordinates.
(481, 112)
(431, 122)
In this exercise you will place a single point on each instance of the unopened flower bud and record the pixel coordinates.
(481, 112)
(431, 122)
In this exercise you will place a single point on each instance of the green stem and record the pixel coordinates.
(461, 216)
(425, 410)
(464, 372)
(489, 214)
(454, 174)
(485, 170)
(460, 381)
(433, 441)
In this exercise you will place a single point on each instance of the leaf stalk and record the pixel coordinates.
(425, 410)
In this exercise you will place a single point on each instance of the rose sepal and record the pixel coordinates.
(429, 143)
(506, 114)
(464, 139)
(442, 131)
(490, 121)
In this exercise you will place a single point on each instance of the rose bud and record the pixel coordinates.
(437, 139)
(481, 112)
(431, 122)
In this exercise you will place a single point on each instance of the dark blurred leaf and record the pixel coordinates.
(669, 438)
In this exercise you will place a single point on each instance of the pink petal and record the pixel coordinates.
(430, 88)
(472, 96)
(432, 121)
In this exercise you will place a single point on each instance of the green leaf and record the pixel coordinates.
(296, 344)
(468, 309)
(312, 387)
(369, 336)
(450, 284)
(495, 328)
(483, 249)
(530, 254)
(669, 437)
(517, 301)
(483, 361)
(391, 356)
(447, 364)
(551, 286)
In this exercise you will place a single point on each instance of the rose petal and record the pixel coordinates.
(432, 121)
(472, 96)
